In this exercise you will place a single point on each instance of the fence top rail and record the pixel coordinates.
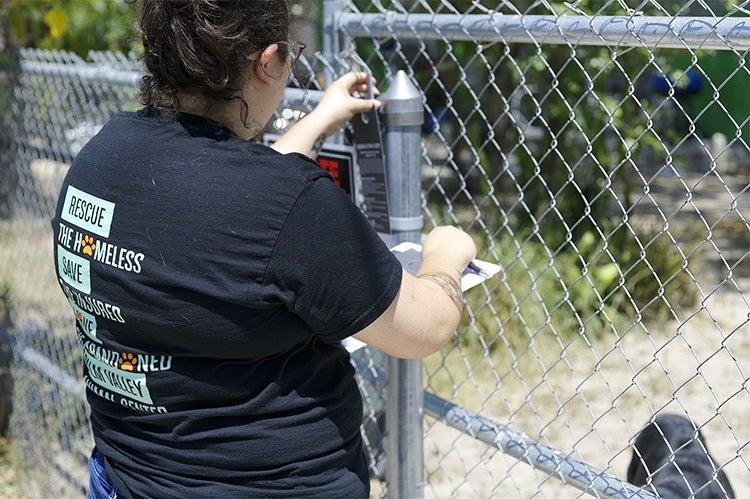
(728, 33)
(87, 72)
(93, 72)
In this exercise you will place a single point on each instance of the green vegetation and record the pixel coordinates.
(74, 25)
(589, 291)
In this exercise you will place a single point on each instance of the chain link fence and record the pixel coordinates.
(598, 151)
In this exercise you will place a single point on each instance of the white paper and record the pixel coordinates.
(352, 344)
(410, 256)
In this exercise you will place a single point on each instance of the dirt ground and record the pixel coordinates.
(594, 402)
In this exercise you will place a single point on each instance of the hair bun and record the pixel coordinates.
(201, 46)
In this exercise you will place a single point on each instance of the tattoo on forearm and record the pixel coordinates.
(449, 284)
(318, 144)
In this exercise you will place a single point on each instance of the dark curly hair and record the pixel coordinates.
(201, 47)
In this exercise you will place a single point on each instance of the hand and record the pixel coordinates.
(338, 105)
(449, 245)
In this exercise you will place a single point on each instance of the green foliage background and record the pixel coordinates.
(75, 25)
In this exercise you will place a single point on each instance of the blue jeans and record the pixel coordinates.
(100, 486)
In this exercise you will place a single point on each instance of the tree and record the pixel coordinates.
(75, 25)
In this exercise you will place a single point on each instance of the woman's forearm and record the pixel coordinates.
(302, 135)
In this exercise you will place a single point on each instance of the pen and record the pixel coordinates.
(365, 116)
(473, 266)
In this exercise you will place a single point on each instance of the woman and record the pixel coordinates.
(212, 277)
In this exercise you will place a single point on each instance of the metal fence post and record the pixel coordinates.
(332, 46)
(403, 116)
(331, 37)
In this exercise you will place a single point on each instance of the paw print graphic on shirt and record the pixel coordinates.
(88, 245)
(127, 361)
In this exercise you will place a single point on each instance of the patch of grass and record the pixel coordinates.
(11, 486)
(586, 288)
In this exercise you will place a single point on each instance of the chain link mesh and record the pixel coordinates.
(611, 184)
(609, 180)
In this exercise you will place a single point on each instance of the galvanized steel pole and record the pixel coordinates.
(403, 115)
(332, 9)
(729, 33)
(332, 45)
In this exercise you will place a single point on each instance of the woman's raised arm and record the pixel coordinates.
(337, 106)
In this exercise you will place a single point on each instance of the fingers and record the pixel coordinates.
(349, 79)
(363, 88)
(357, 81)
(354, 80)
(364, 105)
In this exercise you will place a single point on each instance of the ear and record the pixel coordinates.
(266, 66)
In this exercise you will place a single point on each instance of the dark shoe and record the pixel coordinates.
(693, 473)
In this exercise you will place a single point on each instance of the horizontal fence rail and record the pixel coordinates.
(84, 72)
(553, 462)
(516, 444)
(732, 33)
(580, 475)
(102, 73)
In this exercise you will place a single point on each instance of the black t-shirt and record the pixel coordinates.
(212, 279)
